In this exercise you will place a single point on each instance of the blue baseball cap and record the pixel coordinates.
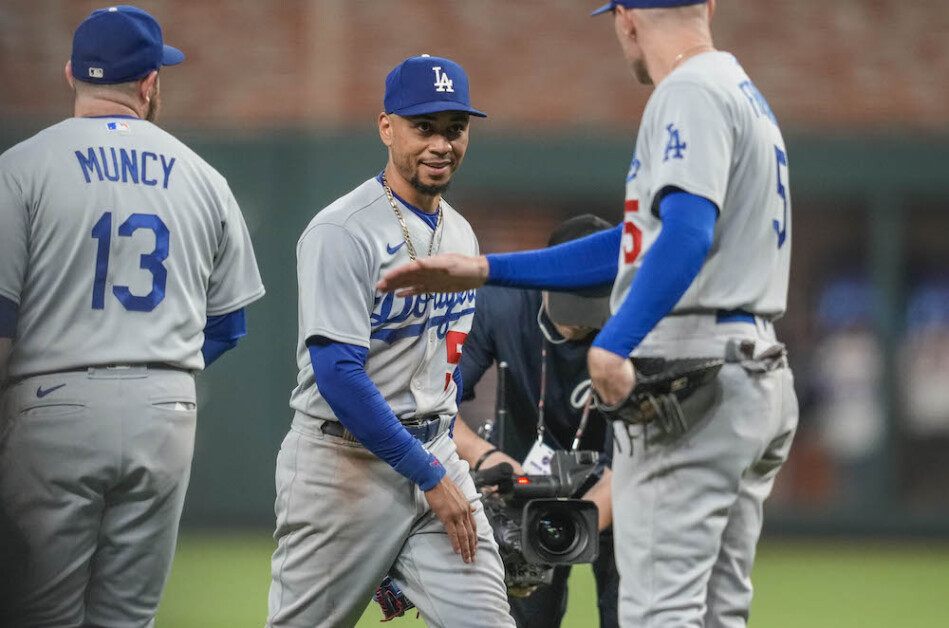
(119, 44)
(645, 4)
(427, 85)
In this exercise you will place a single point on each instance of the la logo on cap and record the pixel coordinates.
(442, 82)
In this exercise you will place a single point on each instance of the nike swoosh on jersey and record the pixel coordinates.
(40, 393)
(392, 250)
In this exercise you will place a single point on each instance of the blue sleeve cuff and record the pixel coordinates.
(340, 373)
(229, 326)
(9, 312)
(221, 334)
(668, 269)
(582, 263)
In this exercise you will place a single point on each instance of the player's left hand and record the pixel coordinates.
(612, 376)
(448, 272)
(448, 502)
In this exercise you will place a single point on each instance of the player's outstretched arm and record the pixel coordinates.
(448, 502)
(581, 263)
(449, 272)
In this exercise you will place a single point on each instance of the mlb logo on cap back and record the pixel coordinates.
(427, 84)
(119, 44)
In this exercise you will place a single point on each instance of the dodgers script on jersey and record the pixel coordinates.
(414, 343)
(117, 242)
(708, 131)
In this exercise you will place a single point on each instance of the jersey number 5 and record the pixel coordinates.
(781, 226)
(454, 340)
(152, 262)
(632, 236)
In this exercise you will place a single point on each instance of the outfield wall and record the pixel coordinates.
(870, 208)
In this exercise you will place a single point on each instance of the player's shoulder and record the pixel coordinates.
(713, 74)
(180, 148)
(356, 212)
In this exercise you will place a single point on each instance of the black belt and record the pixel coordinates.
(423, 429)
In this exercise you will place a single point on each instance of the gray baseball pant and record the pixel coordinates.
(345, 519)
(688, 511)
(93, 474)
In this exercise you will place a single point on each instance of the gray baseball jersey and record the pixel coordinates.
(414, 343)
(688, 509)
(117, 240)
(708, 131)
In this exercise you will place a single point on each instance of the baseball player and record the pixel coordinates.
(703, 260)
(125, 266)
(368, 479)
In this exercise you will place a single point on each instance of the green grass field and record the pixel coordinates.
(220, 580)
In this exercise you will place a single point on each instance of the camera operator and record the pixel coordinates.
(544, 339)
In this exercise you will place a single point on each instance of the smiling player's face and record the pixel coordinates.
(426, 149)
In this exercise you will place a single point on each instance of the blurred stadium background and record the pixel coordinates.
(282, 98)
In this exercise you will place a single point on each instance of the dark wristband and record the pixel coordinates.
(484, 457)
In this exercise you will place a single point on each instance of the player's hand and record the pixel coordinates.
(612, 376)
(456, 513)
(449, 272)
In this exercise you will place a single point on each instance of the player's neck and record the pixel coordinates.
(407, 191)
(94, 107)
(668, 54)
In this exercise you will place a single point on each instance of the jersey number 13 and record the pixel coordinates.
(152, 262)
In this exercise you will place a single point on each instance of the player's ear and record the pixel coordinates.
(68, 72)
(145, 86)
(711, 8)
(625, 22)
(385, 129)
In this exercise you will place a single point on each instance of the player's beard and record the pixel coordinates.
(641, 72)
(429, 189)
(154, 104)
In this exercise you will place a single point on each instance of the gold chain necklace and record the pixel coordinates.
(682, 54)
(405, 229)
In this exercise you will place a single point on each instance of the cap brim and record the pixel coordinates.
(603, 9)
(567, 308)
(172, 56)
(436, 106)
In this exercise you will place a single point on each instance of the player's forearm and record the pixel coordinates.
(580, 263)
(601, 495)
(339, 370)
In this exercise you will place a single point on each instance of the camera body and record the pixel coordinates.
(536, 521)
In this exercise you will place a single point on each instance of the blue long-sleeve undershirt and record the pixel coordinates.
(221, 334)
(340, 373)
(582, 263)
(668, 269)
